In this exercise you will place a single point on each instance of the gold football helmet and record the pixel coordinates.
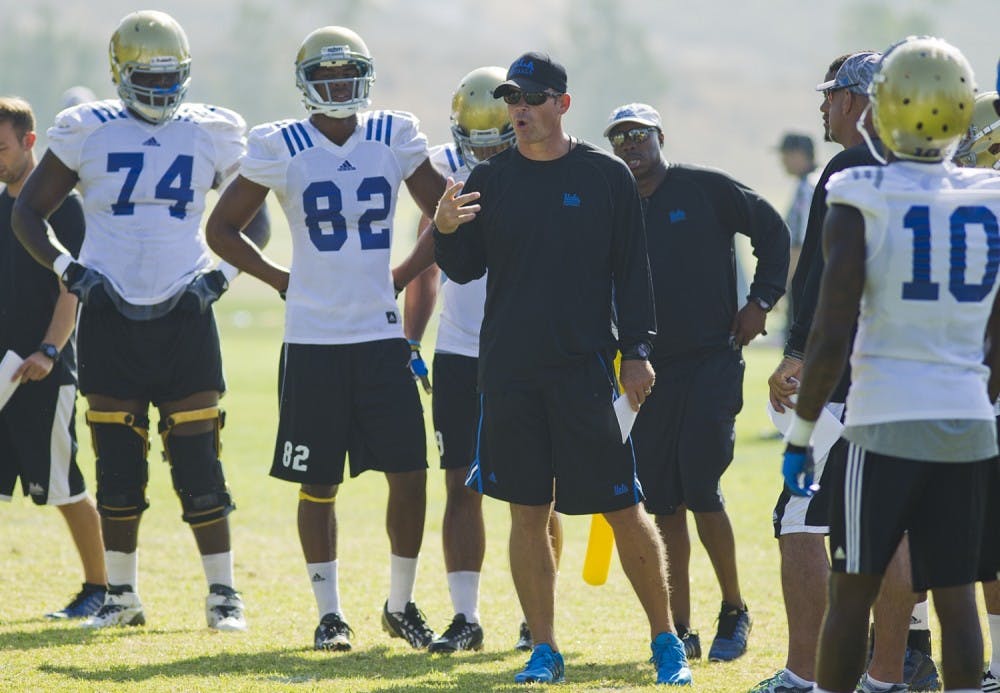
(334, 46)
(922, 98)
(480, 124)
(152, 47)
(981, 146)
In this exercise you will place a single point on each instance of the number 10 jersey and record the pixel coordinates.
(339, 201)
(932, 246)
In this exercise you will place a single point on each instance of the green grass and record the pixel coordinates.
(601, 629)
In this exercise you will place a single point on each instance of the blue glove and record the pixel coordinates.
(87, 284)
(418, 366)
(205, 289)
(797, 468)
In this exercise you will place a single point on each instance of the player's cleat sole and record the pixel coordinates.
(120, 608)
(86, 603)
(670, 660)
(224, 609)
(332, 633)
(544, 666)
(991, 683)
(524, 640)
(409, 624)
(459, 635)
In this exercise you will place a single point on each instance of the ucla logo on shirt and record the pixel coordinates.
(677, 215)
(571, 200)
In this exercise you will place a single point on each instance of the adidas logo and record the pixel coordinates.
(35, 489)
(839, 554)
(151, 142)
(318, 578)
(346, 166)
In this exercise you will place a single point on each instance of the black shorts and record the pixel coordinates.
(455, 406)
(161, 360)
(566, 432)
(989, 559)
(809, 514)
(347, 399)
(38, 444)
(685, 431)
(939, 504)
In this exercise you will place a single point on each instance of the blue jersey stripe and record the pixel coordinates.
(388, 129)
(451, 159)
(378, 128)
(288, 142)
(305, 135)
(295, 135)
(368, 131)
(97, 113)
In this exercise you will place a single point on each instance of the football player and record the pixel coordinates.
(144, 163)
(911, 246)
(981, 148)
(346, 386)
(481, 128)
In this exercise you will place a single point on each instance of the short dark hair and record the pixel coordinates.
(17, 112)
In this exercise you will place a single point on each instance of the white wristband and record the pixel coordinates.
(228, 271)
(799, 432)
(60, 264)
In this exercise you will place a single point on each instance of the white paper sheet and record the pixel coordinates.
(826, 433)
(8, 365)
(626, 417)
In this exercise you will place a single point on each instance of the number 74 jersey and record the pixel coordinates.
(144, 188)
(932, 241)
(339, 201)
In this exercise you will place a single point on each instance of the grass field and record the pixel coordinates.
(601, 630)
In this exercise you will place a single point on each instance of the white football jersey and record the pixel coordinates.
(461, 304)
(933, 250)
(340, 202)
(143, 189)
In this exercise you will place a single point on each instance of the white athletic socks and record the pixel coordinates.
(920, 618)
(123, 568)
(326, 589)
(402, 577)
(218, 568)
(464, 588)
(994, 622)
(796, 680)
(872, 684)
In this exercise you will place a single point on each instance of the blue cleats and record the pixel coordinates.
(86, 603)
(545, 666)
(670, 660)
(731, 637)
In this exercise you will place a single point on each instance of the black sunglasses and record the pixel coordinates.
(833, 90)
(637, 135)
(532, 98)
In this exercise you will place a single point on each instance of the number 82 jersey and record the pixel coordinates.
(932, 243)
(339, 201)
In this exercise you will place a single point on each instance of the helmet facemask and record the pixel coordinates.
(479, 145)
(158, 99)
(981, 146)
(339, 96)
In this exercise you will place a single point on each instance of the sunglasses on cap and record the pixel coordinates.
(532, 98)
(637, 135)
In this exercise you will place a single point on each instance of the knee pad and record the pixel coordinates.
(195, 467)
(121, 443)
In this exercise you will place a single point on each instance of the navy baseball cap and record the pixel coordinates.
(533, 72)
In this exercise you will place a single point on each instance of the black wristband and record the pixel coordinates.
(50, 350)
(639, 351)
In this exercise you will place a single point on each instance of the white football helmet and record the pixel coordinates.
(922, 98)
(480, 124)
(981, 146)
(150, 43)
(334, 46)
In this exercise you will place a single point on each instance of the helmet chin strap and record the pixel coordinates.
(863, 131)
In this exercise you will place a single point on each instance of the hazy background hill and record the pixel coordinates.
(727, 75)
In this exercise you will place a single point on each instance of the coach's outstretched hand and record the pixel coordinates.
(205, 289)
(418, 366)
(82, 281)
(797, 468)
(454, 209)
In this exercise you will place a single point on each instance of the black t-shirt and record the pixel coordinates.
(691, 218)
(563, 240)
(28, 291)
(809, 272)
